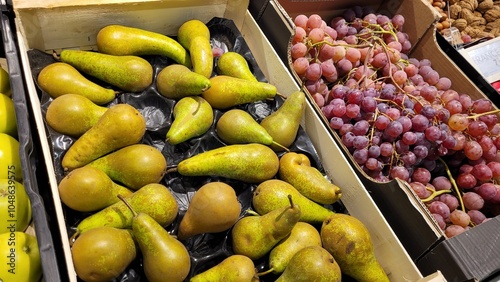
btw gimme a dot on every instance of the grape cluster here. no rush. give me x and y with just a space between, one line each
398 117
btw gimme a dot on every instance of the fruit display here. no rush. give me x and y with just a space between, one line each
397 117
475 19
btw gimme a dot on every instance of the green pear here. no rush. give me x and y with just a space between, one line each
302 235
239 127
235 268
227 91
349 241
164 258
193 117
312 263
252 163
153 199
103 253
194 35
296 169
73 114
235 65
272 194
121 125
216 199
254 236
60 78
88 189
124 40
283 124
134 166
177 81
129 73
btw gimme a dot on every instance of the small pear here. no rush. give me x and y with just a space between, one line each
284 123
312 263
194 35
349 241
193 117
73 114
254 236
88 189
296 169
177 81
129 73
227 91
134 166
60 78
272 194
235 268
235 65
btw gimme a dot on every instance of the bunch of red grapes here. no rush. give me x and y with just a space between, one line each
398 117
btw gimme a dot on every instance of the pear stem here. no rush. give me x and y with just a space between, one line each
258 274
281 95
127 204
251 212
172 169
55 56
290 199
281 146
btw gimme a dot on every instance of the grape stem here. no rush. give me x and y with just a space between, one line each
475 116
434 194
453 183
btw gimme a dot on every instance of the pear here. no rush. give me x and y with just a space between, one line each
134 166
216 199
121 125
88 189
227 91
349 241
195 37
177 81
302 235
60 78
272 194
283 124
252 163
193 117
73 114
312 263
124 40
238 127
296 169
254 236
129 73
164 258
153 199
235 268
235 65
103 253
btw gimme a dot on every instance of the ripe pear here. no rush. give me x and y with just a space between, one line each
88 189
227 91
103 253
124 40
121 125
129 73
272 194
302 235
235 65
296 169
193 117
134 166
195 37
312 263
5 82
235 268
254 236
60 78
252 163
283 124
164 258
348 240
73 114
216 199
177 81
153 199
238 127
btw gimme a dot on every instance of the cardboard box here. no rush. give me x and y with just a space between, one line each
55 25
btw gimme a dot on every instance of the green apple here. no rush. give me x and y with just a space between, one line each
8 122
15 205
19 257
10 162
